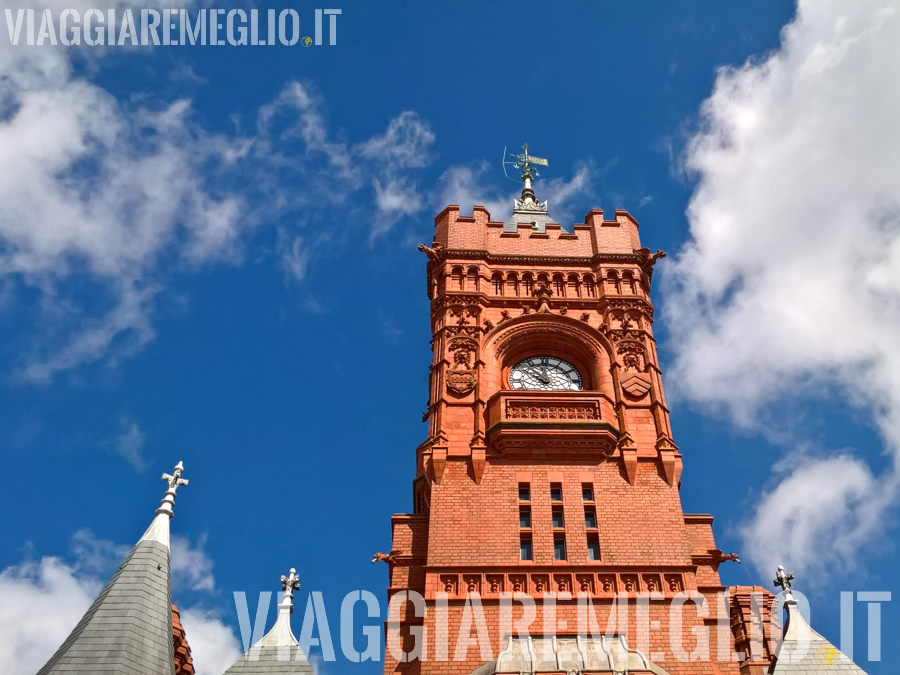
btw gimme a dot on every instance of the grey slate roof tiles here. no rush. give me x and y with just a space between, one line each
128 629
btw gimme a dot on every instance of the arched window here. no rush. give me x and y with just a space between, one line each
574 286
527 284
512 284
497 283
628 282
612 282
559 286
472 278
456 279
589 290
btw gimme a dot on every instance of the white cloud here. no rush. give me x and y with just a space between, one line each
789 287
214 646
94 556
191 566
294 255
43 601
106 195
405 144
130 444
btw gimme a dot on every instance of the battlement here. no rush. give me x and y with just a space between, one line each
594 236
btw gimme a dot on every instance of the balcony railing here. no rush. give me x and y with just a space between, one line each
528 422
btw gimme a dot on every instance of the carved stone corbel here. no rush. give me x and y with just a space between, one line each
671 461
628 449
438 462
479 455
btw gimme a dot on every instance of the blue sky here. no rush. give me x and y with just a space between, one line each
208 254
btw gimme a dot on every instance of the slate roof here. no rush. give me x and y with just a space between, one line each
128 629
803 650
271 661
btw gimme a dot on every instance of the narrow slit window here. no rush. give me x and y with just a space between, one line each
525 552
556 492
558 519
587 492
590 519
525 517
524 492
559 548
593 543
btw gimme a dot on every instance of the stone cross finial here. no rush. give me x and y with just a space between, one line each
174 481
291 582
784 580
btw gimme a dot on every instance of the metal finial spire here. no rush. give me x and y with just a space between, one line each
526 163
174 481
528 206
784 580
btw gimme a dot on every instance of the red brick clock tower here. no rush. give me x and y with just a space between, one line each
549 468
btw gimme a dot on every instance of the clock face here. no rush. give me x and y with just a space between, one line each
545 373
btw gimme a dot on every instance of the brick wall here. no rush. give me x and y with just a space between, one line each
584 296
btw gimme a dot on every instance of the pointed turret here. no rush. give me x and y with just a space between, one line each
802 649
278 652
128 629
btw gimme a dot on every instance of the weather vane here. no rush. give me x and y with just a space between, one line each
526 163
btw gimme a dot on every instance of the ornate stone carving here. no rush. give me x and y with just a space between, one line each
633 304
467 301
433 251
632 355
461 376
461 381
389 558
473 583
636 385
567 332
518 410
543 293
673 581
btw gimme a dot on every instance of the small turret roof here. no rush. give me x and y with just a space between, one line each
128 629
802 649
278 652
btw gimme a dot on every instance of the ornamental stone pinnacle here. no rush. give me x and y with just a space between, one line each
783 580
290 583
174 481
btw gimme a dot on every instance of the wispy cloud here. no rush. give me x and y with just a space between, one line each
789 286
191 566
470 185
101 199
129 444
